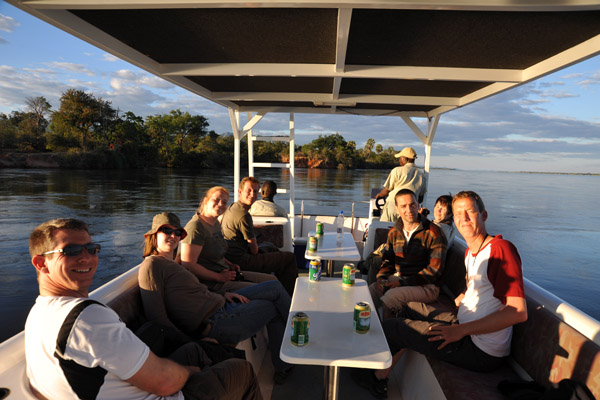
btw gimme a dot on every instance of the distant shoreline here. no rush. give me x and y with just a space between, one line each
10 159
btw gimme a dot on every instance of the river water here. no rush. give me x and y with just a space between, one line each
552 219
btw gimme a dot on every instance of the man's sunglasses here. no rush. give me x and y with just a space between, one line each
168 231
76 249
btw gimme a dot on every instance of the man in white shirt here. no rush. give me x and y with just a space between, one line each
79 348
267 206
406 176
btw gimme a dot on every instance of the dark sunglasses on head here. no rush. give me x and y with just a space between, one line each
168 231
76 249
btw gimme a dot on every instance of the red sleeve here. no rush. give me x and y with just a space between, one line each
504 270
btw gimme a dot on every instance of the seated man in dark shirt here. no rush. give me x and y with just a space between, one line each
238 230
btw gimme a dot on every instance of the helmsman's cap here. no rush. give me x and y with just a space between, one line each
407 152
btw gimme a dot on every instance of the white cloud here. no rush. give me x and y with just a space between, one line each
71 67
126 74
115 84
110 58
8 24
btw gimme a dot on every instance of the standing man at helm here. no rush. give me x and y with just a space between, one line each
406 176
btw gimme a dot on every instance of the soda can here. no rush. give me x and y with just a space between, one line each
314 272
300 325
312 244
319 229
348 275
362 317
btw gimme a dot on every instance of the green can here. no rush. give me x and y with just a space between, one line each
314 272
300 325
348 275
319 229
362 317
313 244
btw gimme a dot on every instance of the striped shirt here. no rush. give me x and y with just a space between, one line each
420 260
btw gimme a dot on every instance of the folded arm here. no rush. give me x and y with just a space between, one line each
189 259
161 376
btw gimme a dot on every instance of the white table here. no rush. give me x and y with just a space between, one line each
332 340
332 249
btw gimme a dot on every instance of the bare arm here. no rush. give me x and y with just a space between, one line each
514 312
459 298
189 259
384 192
161 376
253 246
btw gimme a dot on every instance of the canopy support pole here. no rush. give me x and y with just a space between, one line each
426 139
239 133
234 117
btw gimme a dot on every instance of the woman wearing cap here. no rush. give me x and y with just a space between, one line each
203 249
174 297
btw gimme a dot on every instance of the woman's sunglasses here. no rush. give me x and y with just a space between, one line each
76 249
168 231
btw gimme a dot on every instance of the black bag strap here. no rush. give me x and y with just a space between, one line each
84 381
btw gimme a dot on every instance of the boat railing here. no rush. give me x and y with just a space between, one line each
353 213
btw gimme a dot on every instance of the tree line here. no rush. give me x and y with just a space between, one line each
88 132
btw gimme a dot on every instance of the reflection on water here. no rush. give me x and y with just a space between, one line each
555 230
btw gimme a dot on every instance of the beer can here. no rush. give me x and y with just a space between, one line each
319 229
300 325
314 272
348 275
312 244
362 317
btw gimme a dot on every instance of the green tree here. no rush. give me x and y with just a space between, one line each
79 116
368 149
176 133
106 123
8 133
40 108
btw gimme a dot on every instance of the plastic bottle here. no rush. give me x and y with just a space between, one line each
339 224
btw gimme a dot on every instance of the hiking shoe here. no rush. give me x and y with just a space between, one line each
366 378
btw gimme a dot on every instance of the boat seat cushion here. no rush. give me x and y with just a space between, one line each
128 305
461 384
269 233
380 237
551 350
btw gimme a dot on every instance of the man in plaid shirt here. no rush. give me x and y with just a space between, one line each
413 261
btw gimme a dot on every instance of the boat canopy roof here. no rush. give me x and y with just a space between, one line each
403 58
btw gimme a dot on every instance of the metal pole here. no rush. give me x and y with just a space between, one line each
352 225
331 382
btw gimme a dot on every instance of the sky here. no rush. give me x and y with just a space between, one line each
550 125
